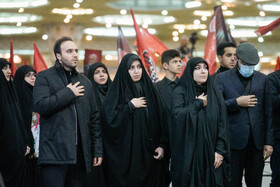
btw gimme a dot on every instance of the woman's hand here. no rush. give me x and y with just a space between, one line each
27 150
218 160
203 98
160 153
139 102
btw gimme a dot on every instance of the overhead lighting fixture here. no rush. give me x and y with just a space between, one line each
69 16
79 1
260 53
190 26
192 4
145 25
203 18
164 12
251 21
175 33
140 19
238 33
228 13
18 24
21 10
260 39
181 30
6 17
4 4
76 5
274 7
123 12
78 11
175 38
196 22
113 31
202 13
89 37
45 37
66 20
108 25
224 7
14 30
227 1
231 26
262 13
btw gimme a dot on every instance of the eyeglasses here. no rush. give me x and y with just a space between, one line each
30 74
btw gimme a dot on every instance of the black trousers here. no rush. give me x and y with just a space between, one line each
249 159
275 165
65 175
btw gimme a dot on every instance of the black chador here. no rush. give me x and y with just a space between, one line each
198 133
131 135
24 92
13 137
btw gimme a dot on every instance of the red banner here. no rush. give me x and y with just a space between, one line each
265 29
38 61
11 60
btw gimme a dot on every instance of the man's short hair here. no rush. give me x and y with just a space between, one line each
222 46
169 54
56 48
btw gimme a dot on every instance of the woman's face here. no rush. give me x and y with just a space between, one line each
100 76
7 72
135 71
200 73
30 78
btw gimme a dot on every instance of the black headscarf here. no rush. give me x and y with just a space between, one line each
100 91
24 93
198 132
13 138
131 136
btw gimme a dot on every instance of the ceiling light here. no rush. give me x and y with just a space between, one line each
192 4
175 38
18 24
175 33
228 13
164 12
76 5
238 33
123 12
262 13
260 53
181 30
203 18
21 10
202 13
79 1
69 16
4 4
224 7
247 4
190 26
6 17
66 11
251 21
231 26
11 30
196 22
108 25
66 20
140 19
108 57
145 25
113 31
227 1
274 7
89 37
45 37
260 39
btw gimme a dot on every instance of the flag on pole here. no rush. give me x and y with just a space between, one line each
38 61
122 45
11 60
265 29
277 67
144 52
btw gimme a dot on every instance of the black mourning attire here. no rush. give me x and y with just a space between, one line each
198 132
13 137
220 70
24 92
131 134
96 177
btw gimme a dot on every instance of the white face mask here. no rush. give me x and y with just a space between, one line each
246 71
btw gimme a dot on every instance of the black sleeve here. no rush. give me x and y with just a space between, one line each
268 114
45 102
275 93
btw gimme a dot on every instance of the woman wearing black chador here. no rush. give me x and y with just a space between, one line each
24 82
101 81
200 143
14 143
134 129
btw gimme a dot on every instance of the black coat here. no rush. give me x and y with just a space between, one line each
241 120
274 82
60 114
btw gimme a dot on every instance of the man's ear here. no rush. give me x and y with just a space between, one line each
220 58
165 65
58 56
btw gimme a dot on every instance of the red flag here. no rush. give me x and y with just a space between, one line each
184 65
122 45
11 60
265 29
210 47
277 67
144 52
38 61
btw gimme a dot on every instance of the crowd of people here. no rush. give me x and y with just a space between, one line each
194 131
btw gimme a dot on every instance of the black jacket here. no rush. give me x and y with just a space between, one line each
243 120
274 82
61 113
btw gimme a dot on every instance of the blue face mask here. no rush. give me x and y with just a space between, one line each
246 71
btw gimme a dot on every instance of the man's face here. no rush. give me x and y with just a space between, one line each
184 41
69 55
228 60
174 66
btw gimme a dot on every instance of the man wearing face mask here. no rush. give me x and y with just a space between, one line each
247 97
